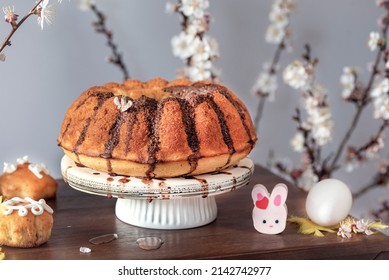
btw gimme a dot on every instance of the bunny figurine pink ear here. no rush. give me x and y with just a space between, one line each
270 211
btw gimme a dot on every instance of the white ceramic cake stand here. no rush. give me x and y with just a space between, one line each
172 203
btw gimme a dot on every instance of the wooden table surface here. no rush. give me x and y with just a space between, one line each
79 217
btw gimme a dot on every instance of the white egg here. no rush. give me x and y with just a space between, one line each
328 202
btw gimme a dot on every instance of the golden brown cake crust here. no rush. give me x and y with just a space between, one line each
24 183
24 231
169 128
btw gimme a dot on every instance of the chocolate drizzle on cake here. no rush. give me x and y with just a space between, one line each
187 98
153 117
225 130
187 113
187 110
101 98
131 117
239 109
114 132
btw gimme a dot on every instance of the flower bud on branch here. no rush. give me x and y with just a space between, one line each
41 8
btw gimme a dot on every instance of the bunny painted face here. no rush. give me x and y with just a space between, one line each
270 211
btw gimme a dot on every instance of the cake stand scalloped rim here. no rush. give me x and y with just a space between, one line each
100 183
148 203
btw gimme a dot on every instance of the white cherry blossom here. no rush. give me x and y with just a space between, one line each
9 14
183 45
195 8
381 107
296 76
266 84
347 80
344 231
196 26
322 133
201 70
297 142
307 179
380 88
363 226
213 46
46 13
374 41
279 18
274 34
122 103
201 49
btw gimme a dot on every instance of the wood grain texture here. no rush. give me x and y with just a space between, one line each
79 217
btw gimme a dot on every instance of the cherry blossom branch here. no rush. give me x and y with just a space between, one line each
100 27
372 147
360 108
193 46
264 95
364 100
311 149
16 26
316 130
374 142
277 33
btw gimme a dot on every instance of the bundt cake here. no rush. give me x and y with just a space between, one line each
157 128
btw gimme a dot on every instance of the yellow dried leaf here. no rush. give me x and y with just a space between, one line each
306 226
378 225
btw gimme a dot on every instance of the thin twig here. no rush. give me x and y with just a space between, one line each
264 96
380 178
100 27
333 166
375 138
260 108
365 189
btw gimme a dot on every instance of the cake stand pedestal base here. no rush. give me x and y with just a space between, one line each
180 213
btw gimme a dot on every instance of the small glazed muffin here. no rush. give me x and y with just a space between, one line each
26 179
25 223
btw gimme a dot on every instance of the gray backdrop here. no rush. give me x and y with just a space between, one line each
46 70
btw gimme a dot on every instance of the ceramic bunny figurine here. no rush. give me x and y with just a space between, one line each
270 211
